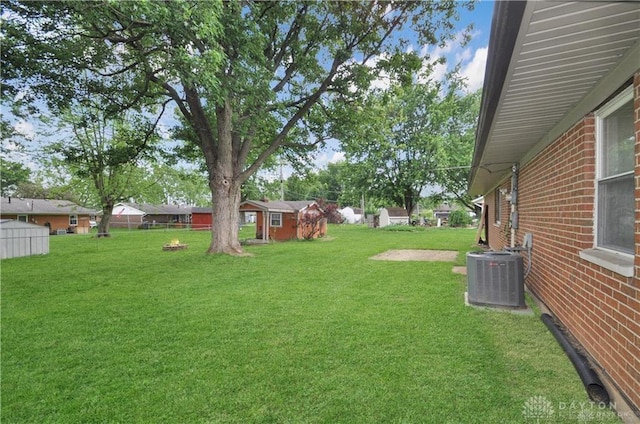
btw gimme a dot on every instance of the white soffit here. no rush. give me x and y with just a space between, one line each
563 52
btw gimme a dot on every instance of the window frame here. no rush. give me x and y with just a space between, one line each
605 111
497 206
22 218
71 223
271 220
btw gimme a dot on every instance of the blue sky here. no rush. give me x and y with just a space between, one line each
472 58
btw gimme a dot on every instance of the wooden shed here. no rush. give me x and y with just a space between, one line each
286 220
19 238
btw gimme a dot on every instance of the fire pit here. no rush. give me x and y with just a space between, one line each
175 245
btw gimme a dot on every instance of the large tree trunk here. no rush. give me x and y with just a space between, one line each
103 226
225 188
226 217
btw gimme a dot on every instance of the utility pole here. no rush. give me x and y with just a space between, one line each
281 182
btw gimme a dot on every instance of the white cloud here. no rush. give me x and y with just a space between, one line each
327 156
438 72
383 81
337 157
472 67
463 55
164 130
451 46
25 129
473 71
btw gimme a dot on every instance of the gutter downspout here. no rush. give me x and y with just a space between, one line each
513 199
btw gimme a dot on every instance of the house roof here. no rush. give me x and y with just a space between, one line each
443 208
279 205
16 205
548 65
150 209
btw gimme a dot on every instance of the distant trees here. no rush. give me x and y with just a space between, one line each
249 79
414 135
455 152
11 176
106 150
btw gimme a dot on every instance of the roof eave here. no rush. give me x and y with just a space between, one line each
545 46
505 26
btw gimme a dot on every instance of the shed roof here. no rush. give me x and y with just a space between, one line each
16 205
19 225
549 64
394 211
279 205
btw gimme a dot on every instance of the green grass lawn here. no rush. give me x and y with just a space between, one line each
117 330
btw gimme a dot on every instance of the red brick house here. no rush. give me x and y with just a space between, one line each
58 215
286 220
557 155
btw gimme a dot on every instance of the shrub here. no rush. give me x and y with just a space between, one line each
401 227
459 219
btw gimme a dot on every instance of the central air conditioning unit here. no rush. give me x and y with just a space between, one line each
495 279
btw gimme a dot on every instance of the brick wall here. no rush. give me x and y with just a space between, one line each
556 204
55 221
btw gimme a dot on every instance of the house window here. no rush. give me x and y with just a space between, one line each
276 219
23 218
73 219
615 182
497 207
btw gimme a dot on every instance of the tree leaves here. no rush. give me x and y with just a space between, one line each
250 79
408 138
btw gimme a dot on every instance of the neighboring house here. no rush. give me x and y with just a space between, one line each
59 216
391 216
22 239
165 214
441 213
126 216
133 215
558 156
202 218
286 220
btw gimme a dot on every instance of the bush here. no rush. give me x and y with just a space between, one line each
401 228
459 219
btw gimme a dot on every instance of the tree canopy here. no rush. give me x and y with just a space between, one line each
13 174
106 150
248 79
414 135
